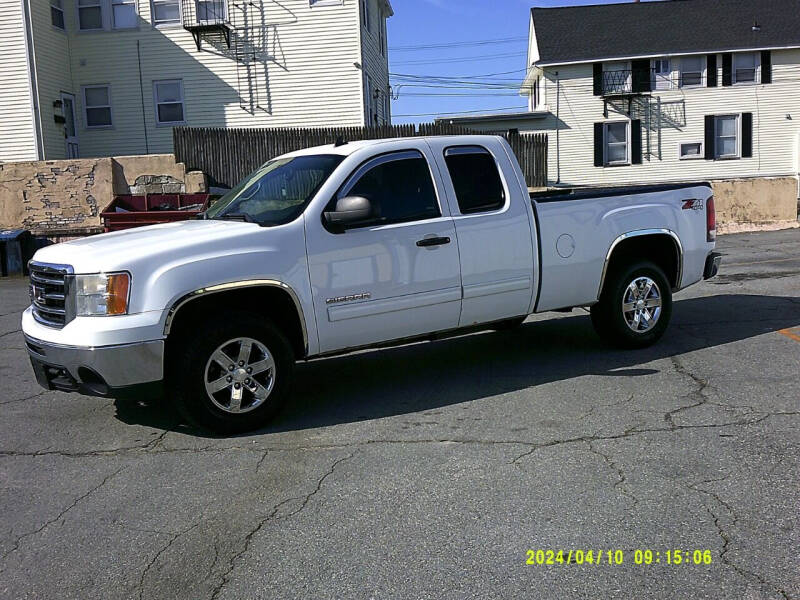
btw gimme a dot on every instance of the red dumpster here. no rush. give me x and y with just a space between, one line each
126 212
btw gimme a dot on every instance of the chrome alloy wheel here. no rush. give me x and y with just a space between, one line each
641 304
240 375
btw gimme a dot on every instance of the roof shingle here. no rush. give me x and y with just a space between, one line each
596 32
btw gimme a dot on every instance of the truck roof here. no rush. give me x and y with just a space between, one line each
350 147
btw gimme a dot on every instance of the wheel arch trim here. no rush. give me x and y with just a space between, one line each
638 233
236 285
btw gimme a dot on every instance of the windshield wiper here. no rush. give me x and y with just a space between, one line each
235 217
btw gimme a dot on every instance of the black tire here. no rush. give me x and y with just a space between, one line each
508 324
609 318
187 371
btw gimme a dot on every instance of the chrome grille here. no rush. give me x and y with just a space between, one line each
49 293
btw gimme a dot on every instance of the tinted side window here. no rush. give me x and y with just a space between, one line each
475 179
400 190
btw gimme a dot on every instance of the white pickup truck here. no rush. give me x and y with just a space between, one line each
348 246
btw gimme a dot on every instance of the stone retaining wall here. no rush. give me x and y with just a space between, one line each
63 196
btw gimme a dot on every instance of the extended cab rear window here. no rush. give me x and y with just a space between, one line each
475 178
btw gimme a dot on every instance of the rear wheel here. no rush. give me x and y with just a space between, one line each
233 376
635 306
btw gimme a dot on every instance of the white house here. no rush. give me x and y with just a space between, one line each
663 91
87 78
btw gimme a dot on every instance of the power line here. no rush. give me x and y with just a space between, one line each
462 44
457 60
463 112
458 76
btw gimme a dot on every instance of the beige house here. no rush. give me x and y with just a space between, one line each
88 78
664 91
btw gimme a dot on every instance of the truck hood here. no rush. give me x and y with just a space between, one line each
120 249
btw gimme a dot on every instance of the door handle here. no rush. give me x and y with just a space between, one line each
433 241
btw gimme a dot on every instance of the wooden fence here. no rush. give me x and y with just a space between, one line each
228 155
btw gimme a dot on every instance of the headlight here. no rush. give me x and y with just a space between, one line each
102 294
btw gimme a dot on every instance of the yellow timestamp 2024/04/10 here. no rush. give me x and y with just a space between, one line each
671 557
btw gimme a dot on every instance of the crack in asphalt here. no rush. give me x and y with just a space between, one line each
2 335
41 393
226 576
161 551
532 446
621 478
698 393
18 541
725 536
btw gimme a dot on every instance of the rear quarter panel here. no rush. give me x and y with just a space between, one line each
592 225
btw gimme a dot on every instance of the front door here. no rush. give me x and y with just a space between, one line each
397 275
70 131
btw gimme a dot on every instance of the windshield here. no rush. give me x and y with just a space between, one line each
277 192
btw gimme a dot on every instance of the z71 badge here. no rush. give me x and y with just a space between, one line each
693 204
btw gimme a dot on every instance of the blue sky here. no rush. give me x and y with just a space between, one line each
437 22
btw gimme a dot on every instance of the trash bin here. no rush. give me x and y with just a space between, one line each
14 245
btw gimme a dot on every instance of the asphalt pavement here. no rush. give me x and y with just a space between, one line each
430 470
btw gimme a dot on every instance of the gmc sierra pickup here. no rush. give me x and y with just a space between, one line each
347 246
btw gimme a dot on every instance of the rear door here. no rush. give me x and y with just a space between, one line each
396 276
493 228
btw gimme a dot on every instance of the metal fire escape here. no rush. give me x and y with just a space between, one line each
236 29
630 93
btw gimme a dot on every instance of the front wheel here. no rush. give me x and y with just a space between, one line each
635 306
232 376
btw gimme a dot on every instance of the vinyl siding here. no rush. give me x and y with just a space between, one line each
53 75
776 127
375 64
17 137
307 80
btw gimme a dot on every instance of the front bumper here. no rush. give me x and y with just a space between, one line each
110 371
712 265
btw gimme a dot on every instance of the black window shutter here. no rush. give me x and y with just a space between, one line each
747 135
766 66
710 137
727 69
640 75
598 145
598 78
636 142
711 70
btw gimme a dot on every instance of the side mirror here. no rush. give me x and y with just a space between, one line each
350 210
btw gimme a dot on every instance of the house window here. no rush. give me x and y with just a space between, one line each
692 68
123 13
386 108
57 13
662 74
382 36
168 95
90 15
617 77
726 136
616 137
368 98
745 67
365 14
691 150
211 10
97 106
165 12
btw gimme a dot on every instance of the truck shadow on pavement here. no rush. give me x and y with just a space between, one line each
425 376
